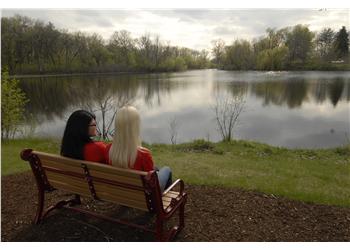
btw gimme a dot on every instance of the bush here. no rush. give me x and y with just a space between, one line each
197 146
13 101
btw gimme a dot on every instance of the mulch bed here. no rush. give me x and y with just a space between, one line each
211 214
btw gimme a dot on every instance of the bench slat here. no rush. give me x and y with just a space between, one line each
67 180
115 170
167 198
62 166
71 189
135 180
92 166
120 191
172 194
126 202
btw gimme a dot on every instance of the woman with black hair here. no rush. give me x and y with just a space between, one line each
77 142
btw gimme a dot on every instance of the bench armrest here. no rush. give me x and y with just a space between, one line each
177 182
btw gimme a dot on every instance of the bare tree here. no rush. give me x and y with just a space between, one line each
227 111
173 130
108 107
105 103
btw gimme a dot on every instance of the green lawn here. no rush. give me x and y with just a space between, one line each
11 161
320 176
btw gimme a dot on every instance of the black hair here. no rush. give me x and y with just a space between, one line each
76 134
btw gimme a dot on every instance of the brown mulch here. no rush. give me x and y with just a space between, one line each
212 214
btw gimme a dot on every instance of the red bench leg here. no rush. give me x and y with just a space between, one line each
40 207
182 216
159 229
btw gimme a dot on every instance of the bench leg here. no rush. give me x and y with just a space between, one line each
40 207
77 200
182 216
159 229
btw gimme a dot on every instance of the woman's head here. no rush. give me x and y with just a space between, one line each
126 137
81 125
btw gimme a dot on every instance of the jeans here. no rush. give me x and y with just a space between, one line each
164 177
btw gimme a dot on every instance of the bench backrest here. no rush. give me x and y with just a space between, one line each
104 182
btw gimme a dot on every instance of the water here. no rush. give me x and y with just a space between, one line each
291 109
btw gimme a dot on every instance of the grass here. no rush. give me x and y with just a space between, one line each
11 161
320 176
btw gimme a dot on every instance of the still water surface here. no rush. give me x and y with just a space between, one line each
291 109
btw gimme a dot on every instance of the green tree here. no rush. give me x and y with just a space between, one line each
272 59
239 56
98 51
341 44
13 101
299 42
324 44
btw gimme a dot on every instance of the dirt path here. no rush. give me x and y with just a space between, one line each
212 214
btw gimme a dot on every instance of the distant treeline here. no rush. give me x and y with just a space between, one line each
291 48
31 46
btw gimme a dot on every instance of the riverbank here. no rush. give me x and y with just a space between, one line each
81 74
320 176
343 67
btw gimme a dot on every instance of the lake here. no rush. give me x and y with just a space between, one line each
308 109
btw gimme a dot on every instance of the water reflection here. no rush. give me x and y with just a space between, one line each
280 104
51 97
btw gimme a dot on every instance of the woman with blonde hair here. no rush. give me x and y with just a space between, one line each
126 151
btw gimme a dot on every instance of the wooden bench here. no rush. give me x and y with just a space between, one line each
135 189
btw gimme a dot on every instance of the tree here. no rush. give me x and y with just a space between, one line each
272 59
276 38
341 44
324 44
239 56
97 50
121 44
31 46
218 51
173 130
13 101
299 42
227 111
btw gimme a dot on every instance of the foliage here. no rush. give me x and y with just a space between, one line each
272 59
239 56
341 44
299 43
30 47
13 101
290 48
196 146
324 44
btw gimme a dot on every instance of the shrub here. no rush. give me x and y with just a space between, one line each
197 146
13 101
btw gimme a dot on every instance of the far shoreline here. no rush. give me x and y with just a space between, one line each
162 72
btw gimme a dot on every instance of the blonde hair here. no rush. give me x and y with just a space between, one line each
126 139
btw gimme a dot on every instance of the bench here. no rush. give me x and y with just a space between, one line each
131 188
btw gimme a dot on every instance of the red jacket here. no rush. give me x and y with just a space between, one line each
143 162
95 151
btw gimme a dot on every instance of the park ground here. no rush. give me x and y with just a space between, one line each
238 191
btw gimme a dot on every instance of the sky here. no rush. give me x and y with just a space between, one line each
193 28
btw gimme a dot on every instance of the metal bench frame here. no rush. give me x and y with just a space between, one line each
150 187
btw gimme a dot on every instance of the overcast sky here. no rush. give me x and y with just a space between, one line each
192 28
